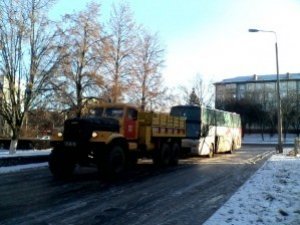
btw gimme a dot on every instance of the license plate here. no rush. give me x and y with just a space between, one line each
70 143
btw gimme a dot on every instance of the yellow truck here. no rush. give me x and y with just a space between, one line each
113 137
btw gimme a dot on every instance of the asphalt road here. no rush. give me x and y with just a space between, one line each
187 194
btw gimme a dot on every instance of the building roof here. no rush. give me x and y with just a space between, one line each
260 78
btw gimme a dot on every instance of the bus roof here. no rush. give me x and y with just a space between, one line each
202 106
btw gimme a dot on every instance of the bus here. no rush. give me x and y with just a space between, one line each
209 131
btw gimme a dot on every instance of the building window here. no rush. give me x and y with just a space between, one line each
230 91
241 88
260 92
251 87
292 88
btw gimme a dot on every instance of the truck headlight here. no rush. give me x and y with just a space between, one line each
59 134
94 134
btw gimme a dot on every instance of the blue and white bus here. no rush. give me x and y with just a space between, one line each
209 131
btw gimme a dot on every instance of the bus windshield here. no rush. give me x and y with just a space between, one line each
192 115
189 112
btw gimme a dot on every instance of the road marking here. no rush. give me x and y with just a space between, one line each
259 157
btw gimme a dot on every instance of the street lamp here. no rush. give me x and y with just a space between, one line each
279 126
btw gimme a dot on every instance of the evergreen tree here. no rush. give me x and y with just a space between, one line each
194 99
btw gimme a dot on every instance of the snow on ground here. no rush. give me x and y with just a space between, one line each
267 139
5 153
8 169
270 196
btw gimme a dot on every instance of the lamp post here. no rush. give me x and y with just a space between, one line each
279 125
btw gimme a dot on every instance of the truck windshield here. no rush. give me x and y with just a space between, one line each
95 112
114 112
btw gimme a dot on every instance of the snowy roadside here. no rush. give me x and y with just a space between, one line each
5 153
270 196
5 156
268 140
10 169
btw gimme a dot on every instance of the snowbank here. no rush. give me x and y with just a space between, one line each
22 160
5 153
11 169
257 139
270 196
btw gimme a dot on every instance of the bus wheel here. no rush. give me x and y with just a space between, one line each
174 154
232 148
211 151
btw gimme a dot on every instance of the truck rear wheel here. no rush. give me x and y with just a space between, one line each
174 156
162 155
60 163
114 163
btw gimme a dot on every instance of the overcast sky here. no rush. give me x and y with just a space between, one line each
211 38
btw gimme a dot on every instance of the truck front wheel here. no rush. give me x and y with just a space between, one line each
114 163
60 163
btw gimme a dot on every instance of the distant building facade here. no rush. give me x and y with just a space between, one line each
258 94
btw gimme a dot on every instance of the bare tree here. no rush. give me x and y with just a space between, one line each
289 107
205 90
254 108
40 122
202 88
79 76
296 122
122 42
29 55
146 87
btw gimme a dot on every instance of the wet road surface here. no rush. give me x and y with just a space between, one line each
187 194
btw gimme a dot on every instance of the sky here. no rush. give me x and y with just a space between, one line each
211 38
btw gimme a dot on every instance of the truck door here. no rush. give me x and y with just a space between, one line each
130 124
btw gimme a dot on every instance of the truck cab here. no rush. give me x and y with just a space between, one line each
126 115
106 135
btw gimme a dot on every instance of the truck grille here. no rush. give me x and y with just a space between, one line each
80 129
75 131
